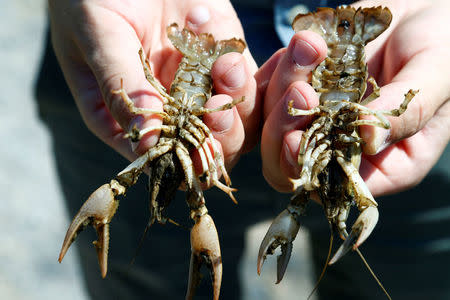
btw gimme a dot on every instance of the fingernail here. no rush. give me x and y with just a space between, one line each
235 77
134 145
303 53
224 121
198 15
381 136
299 101
291 160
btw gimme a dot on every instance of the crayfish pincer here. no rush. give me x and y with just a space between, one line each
205 249
97 211
331 147
169 162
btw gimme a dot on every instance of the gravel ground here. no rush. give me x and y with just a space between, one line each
33 218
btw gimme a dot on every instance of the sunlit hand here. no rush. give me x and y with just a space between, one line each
409 55
97 44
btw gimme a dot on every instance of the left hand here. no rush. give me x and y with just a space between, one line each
97 42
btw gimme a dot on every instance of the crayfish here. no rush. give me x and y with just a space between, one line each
169 162
331 147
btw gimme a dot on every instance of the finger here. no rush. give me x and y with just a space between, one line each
412 158
416 66
227 128
88 97
266 71
220 20
289 154
305 51
109 64
414 75
197 159
232 73
278 123
232 76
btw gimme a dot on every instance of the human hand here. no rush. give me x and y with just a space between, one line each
409 55
97 44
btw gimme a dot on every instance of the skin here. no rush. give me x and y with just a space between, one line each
409 55
96 43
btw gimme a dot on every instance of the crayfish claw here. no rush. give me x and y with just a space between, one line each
283 260
365 224
282 232
102 246
267 247
205 249
361 230
97 211
344 248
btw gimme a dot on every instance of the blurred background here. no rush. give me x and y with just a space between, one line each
33 216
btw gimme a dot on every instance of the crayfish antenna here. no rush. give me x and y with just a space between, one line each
324 267
346 246
373 274
141 241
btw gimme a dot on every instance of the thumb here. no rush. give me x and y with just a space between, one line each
94 61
